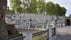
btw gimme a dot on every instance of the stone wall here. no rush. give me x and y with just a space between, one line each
11 29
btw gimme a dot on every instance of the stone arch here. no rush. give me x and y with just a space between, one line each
68 22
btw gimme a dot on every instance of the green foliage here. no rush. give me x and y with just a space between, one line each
40 6
37 7
55 9
8 11
63 11
50 8
33 6
15 5
18 9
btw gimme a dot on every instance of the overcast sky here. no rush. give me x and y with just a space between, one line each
64 3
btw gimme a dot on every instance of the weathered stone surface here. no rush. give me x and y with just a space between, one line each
64 33
11 28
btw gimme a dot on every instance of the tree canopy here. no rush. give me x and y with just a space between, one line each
50 8
15 5
37 7
55 9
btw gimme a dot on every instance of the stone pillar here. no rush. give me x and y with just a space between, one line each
28 35
43 27
50 32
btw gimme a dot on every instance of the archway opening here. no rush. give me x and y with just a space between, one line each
9 32
68 22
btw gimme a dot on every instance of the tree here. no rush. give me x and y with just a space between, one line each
15 5
8 11
50 8
20 6
40 6
33 6
55 9
3 30
63 11
37 7
28 6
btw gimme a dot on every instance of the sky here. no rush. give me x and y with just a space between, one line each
63 3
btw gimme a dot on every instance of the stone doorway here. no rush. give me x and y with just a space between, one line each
67 22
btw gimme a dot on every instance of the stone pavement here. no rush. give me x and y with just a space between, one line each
64 33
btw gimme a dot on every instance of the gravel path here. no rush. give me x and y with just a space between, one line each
64 33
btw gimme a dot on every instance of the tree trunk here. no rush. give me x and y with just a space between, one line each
3 27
